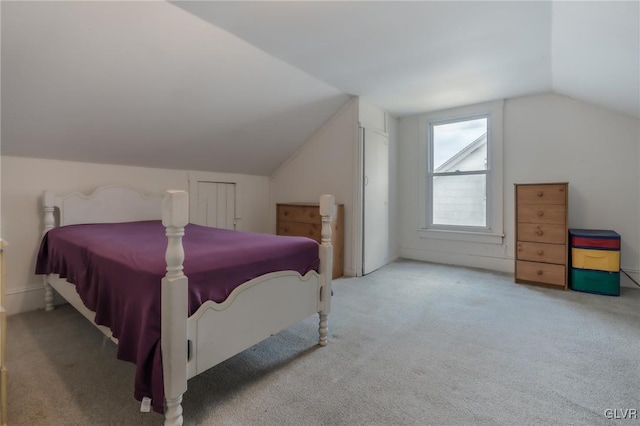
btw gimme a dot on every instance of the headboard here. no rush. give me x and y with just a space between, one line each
107 204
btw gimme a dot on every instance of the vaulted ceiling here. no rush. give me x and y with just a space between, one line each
419 56
239 86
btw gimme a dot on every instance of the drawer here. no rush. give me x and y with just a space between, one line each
594 239
596 243
542 233
595 282
541 272
598 260
542 194
542 213
299 229
293 213
540 252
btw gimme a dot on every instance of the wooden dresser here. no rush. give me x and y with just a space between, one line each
542 233
303 219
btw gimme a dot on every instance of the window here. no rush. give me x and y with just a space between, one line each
457 187
461 188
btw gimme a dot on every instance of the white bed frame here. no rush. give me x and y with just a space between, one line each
254 311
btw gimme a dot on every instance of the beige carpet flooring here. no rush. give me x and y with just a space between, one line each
411 344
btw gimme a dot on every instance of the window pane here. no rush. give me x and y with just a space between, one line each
460 200
460 146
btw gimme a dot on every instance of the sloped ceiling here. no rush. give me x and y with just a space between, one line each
405 57
239 86
412 57
149 84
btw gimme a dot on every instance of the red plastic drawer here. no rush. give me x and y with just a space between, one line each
596 243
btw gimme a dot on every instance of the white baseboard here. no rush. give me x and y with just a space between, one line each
625 281
492 263
349 272
25 299
472 261
28 298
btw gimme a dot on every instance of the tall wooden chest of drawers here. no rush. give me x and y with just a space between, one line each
303 219
542 233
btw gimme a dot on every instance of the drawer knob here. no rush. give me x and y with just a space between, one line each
540 194
539 272
286 229
540 213
286 213
540 252
539 231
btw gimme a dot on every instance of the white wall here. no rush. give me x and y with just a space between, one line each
24 179
547 138
595 52
412 245
394 189
324 165
556 138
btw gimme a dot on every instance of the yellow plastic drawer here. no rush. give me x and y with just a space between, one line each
597 260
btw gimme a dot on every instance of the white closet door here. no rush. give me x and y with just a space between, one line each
216 204
375 245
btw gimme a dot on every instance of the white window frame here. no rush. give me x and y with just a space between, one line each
493 232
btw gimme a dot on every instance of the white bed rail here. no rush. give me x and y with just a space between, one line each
49 206
175 309
327 208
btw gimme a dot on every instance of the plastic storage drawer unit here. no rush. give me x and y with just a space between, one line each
595 261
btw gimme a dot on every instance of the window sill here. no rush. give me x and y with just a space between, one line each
466 236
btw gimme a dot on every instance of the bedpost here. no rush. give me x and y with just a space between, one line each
49 201
175 215
327 209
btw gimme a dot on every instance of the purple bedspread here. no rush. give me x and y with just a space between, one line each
117 269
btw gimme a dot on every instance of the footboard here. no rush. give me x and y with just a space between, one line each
254 311
262 307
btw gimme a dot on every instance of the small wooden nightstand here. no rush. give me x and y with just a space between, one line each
303 220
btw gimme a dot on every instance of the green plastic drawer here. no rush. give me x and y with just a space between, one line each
599 282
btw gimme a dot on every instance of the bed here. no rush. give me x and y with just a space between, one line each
191 336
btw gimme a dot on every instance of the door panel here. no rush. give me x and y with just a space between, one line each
216 204
375 245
